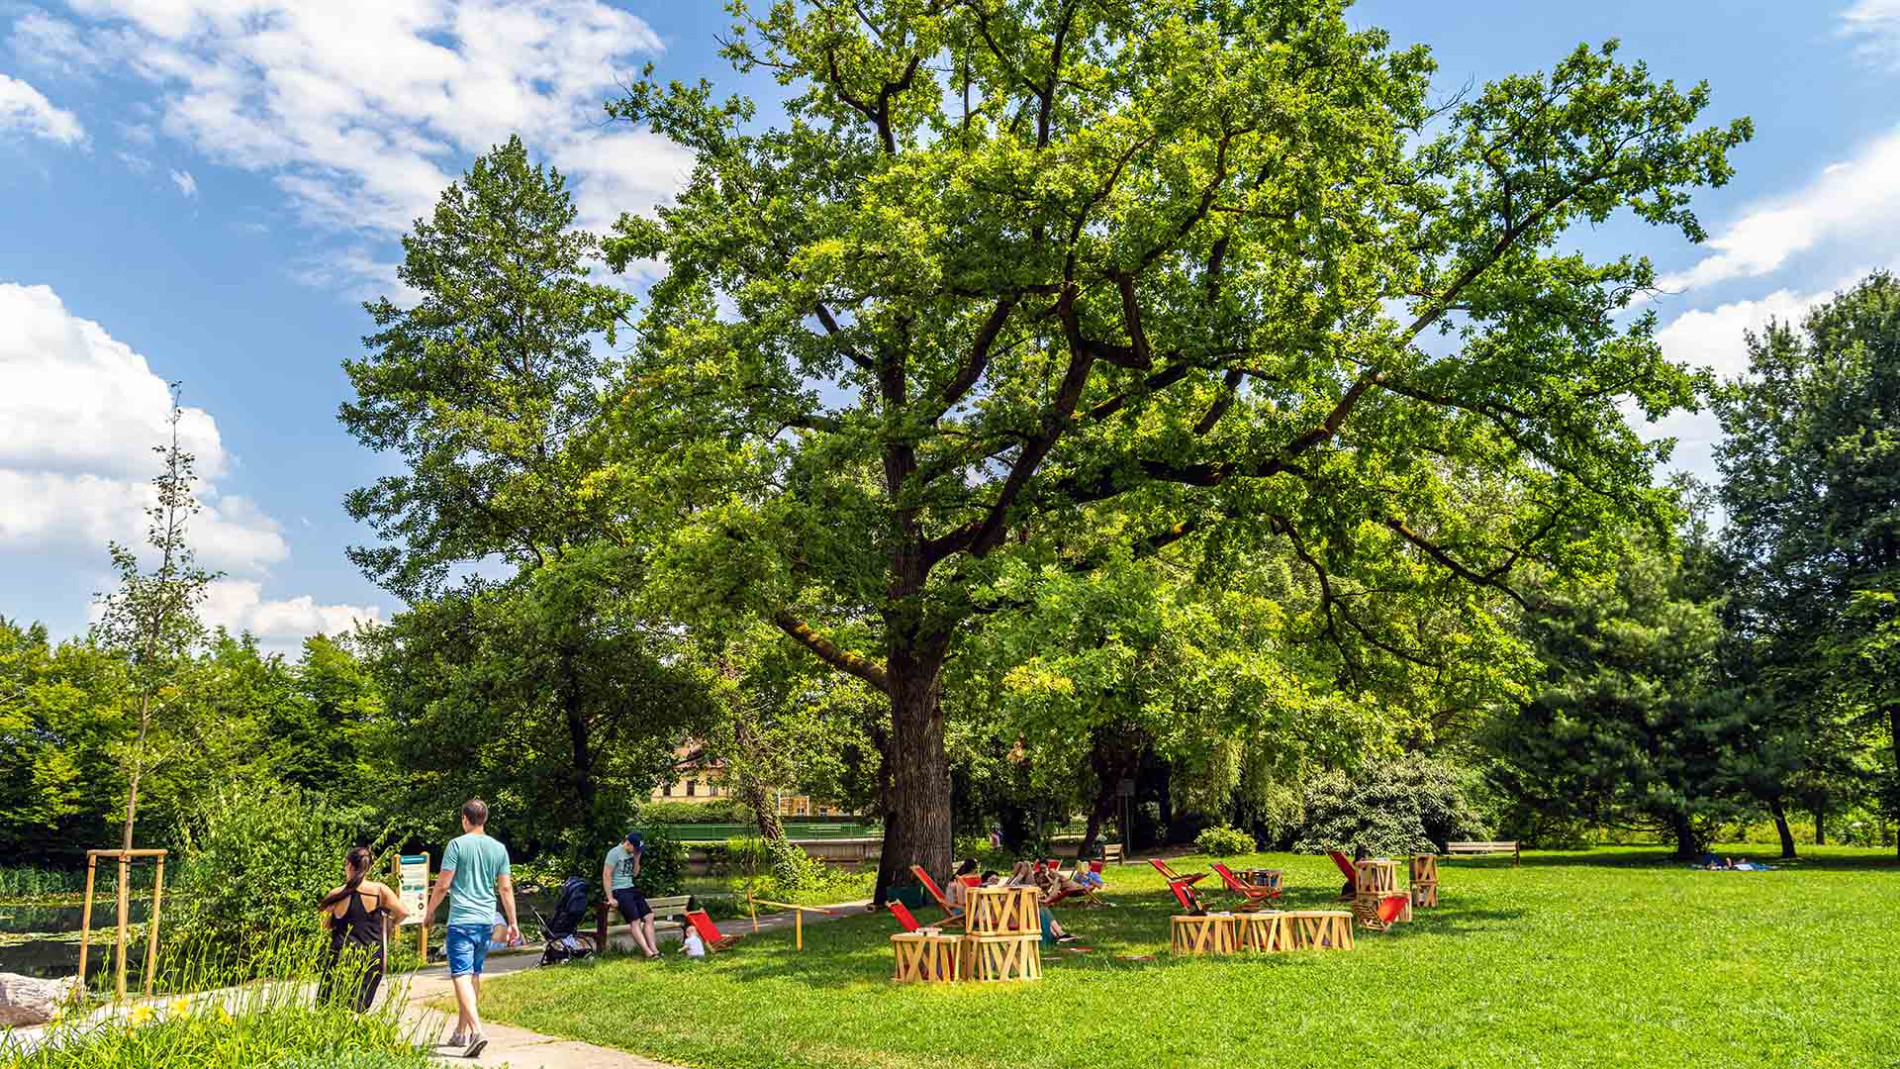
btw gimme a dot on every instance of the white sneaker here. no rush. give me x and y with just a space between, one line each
456 1039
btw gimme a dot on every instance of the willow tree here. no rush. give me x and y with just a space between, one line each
1019 285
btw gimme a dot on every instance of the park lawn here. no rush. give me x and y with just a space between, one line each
1609 957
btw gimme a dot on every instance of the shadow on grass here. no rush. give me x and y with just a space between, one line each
1664 858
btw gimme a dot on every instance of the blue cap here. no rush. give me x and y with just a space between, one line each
634 838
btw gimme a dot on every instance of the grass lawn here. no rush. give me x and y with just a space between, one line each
1610 957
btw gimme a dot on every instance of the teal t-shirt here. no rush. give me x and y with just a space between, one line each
478 863
621 860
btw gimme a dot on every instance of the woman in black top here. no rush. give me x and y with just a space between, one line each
355 915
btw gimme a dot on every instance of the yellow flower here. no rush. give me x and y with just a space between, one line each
141 1014
181 1007
224 1017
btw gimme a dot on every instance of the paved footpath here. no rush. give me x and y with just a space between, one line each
522 1049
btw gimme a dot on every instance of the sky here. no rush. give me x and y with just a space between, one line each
204 191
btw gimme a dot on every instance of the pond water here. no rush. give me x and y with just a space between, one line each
16 920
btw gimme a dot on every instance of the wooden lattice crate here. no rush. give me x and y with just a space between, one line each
1425 868
1319 929
1425 895
1261 931
1003 910
1376 877
1207 933
993 958
928 958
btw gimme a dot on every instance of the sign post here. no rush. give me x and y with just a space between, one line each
412 888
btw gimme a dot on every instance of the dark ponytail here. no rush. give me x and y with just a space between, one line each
358 860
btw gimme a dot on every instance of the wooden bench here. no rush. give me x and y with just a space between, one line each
1112 852
667 912
1475 849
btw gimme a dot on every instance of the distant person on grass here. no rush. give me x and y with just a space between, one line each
474 874
616 879
356 915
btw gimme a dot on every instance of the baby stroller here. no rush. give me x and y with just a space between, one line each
564 943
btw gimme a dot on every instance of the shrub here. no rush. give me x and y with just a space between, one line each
662 864
1405 806
254 862
1224 842
723 811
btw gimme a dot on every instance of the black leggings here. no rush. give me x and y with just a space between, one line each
364 965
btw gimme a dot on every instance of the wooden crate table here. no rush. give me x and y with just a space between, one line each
994 958
1425 880
1265 878
1262 931
1208 933
1318 929
1374 881
929 958
1003 910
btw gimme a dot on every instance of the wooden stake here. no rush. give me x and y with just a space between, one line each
125 904
85 920
151 944
798 929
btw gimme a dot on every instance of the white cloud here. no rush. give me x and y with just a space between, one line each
26 109
1857 201
135 163
1716 339
362 111
82 412
185 183
1876 26
239 605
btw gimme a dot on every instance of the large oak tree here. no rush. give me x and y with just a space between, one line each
1031 286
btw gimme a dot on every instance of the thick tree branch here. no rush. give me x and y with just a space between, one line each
828 652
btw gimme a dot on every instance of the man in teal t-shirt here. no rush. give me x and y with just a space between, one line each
617 874
474 874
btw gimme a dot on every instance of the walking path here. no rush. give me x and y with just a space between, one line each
507 1045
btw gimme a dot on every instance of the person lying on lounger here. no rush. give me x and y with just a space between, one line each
957 889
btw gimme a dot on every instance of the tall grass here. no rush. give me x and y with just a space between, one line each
270 1009
27 882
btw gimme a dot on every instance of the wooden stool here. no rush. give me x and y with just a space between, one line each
1003 910
1424 881
1262 931
1209 933
1374 881
990 958
929 958
1319 929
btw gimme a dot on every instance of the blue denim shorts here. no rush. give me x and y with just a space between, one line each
467 948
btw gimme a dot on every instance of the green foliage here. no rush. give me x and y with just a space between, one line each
1632 724
662 864
254 861
1409 805
1224 842
721 811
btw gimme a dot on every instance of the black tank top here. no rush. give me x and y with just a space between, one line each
358 926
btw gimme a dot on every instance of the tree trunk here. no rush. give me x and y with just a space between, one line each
917 822
751 788
1820 823
138 771
1687 849
580 743
1115 755
1893 729
1781 827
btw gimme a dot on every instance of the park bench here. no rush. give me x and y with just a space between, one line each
1112 853
669 912
1476 849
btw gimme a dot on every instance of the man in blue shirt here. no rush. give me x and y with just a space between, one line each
474 874
616 879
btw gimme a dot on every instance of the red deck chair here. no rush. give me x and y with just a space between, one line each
1391 907
955 916
1190 901
903 915
1172 876
1253 896
1345 869
709 933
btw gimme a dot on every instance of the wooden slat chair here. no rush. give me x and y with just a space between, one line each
953 914
1174 877
1252 897
1184 894
709 932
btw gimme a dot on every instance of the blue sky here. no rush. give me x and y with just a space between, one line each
203 190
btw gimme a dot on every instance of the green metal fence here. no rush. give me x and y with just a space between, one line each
699 833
